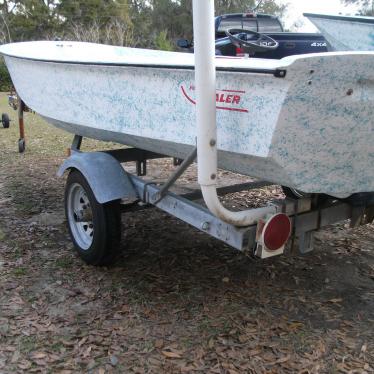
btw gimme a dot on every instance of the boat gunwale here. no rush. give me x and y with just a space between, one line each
281 73
356 19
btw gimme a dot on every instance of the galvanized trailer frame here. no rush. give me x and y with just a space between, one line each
307 214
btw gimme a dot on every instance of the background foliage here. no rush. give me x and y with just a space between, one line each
137 23
5 81
367 6
143 23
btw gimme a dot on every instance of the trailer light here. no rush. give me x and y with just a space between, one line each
272 235
276 231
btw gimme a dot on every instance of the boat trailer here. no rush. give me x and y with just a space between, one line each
109 190
98 188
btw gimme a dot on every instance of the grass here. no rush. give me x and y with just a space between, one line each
41 138
20 271
58 347
27 344
21 195
16 252
64 262
213 327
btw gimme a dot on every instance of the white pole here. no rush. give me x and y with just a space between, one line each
205 83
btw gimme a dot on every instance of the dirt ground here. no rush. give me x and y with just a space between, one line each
176 300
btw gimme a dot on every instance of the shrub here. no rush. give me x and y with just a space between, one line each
5 81
162 42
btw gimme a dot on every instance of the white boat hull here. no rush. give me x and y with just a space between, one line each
345 33
311 130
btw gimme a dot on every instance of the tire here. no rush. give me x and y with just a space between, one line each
97 240
5 120
21 145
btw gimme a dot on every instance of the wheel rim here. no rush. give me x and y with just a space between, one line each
79 214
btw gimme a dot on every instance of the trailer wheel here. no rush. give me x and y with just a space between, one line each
21 145
95 228
5 120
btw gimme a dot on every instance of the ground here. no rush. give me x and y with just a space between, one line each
176 300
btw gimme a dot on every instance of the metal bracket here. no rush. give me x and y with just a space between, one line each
145 185
177 161
77 142
370 215
357 216
173 178
133 154
141 168
306 241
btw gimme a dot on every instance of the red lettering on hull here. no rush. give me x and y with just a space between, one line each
230 98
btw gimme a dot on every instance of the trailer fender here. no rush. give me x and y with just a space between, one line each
105 175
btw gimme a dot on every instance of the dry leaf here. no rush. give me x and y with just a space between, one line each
69 344
211 343
295 325
24 365
15 357
170 354
38 355
254 352
159 343
338 300
82 341
40 362
243 338
87 351
282 359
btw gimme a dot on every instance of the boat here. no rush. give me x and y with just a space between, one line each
343 33
304 121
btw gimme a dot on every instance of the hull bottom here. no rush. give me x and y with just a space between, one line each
252 166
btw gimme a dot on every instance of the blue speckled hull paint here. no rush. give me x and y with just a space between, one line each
344 35
304 131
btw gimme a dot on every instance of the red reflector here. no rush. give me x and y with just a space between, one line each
276 232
